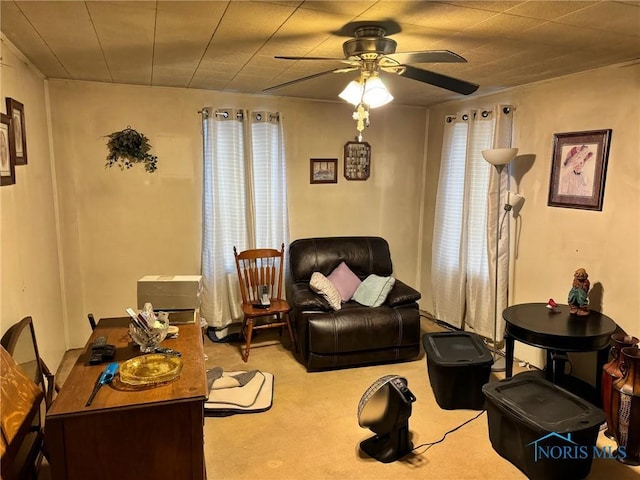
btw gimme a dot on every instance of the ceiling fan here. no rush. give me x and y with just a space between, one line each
370 51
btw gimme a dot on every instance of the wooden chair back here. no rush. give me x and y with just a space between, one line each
257 268
20 342
21 438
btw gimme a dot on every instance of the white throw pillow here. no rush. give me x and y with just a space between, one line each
322 285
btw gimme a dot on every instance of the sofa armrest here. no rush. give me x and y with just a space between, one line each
303 298
401 293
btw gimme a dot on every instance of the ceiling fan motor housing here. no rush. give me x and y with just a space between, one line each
369 40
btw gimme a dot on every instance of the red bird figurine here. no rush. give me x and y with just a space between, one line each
553 306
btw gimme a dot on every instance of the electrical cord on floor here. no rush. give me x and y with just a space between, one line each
440 323
431 444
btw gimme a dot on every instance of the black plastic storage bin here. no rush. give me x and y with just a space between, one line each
544 430
459 364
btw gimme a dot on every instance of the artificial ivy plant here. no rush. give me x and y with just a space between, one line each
128 147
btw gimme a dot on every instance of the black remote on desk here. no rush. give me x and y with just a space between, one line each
101 351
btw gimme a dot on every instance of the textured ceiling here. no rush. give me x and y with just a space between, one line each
229 46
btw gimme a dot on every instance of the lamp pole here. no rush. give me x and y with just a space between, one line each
499 363
498 157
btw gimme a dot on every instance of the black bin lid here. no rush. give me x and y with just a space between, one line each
456 349
543 405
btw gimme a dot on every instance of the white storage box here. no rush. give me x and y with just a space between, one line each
170 292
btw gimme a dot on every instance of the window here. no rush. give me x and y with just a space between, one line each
244 200
465 222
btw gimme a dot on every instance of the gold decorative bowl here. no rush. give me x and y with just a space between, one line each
150 369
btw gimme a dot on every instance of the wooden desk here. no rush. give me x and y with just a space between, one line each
152 433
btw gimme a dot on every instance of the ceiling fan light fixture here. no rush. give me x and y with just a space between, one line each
376 93
352 93
372 92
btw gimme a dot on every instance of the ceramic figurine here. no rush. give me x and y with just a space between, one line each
578 295
553 306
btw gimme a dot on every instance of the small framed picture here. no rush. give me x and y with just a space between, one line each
7 154
324 170
357 160
578 169
16 111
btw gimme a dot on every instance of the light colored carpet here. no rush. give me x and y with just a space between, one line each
312 432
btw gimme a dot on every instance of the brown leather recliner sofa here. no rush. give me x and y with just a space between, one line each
355 335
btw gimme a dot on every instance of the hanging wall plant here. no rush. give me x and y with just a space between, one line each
128 147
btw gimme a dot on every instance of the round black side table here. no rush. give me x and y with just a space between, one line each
536 325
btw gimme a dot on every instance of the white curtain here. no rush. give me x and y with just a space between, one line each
244 201
269 180
465 222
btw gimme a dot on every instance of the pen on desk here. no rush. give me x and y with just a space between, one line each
105 377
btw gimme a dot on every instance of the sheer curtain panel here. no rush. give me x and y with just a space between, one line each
244 201
269 180
465 221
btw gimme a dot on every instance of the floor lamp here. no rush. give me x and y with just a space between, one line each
498 157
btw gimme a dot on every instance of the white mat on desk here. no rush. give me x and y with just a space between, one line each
253 397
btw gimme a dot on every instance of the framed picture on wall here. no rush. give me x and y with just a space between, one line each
16 111
357 160
324 170
7 153
578 169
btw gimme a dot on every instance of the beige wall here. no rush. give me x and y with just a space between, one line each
553 241
118 226
30 280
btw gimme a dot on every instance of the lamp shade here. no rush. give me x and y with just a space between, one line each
514 199
352 93
499 156
376 93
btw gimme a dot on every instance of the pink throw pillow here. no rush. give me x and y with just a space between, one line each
345 281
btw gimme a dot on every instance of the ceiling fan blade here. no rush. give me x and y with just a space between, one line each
315 75
428 56
439 80
326 59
